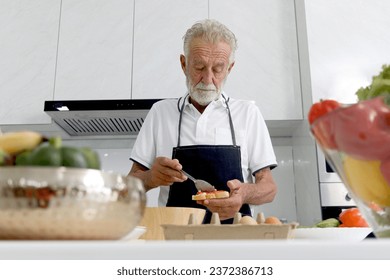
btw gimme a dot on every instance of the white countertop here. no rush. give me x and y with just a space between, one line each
369 249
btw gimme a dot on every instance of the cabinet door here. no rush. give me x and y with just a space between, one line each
158 30
95 50
266 68
29 33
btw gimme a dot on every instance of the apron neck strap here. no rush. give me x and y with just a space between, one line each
230 120
181 109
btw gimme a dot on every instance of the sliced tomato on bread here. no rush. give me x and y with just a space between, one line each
210 195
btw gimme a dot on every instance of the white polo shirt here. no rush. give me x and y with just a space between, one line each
159 133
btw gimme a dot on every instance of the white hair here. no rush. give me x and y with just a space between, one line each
213 32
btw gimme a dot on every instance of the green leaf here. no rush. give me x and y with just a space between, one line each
380 85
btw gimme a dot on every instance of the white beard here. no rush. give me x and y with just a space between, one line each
203 94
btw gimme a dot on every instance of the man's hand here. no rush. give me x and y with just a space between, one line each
262 191
166 171
227 207
163 172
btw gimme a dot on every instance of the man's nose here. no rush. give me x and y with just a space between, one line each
207 77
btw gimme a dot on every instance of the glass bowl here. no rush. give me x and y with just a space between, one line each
52 203
355 140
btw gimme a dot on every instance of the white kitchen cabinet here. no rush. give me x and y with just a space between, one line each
95 50
158 30
266 68
29 34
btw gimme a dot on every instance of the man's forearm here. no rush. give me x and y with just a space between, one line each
143 174
258 193
262 191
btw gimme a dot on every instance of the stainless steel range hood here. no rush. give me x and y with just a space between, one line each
99 117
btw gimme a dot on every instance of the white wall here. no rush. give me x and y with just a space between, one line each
348 42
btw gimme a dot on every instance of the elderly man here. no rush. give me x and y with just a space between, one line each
209 135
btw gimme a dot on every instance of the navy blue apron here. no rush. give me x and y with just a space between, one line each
216 164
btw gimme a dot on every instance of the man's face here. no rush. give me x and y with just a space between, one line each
206 69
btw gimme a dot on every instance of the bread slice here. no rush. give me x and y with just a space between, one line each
210 195
221 194
199 196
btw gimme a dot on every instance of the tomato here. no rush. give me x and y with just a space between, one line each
321 108
352 218
323 130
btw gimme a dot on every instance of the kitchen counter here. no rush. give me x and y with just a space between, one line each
369 249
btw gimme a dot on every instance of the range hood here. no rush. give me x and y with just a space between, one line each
99 117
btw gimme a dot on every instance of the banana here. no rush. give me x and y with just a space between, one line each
366 181
15 142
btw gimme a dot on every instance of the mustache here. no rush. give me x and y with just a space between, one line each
202 86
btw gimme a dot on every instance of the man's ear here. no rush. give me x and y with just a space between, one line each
231 66
183 63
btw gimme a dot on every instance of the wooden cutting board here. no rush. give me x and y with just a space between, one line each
154 217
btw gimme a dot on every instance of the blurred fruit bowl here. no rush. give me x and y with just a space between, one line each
44 203
355 140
